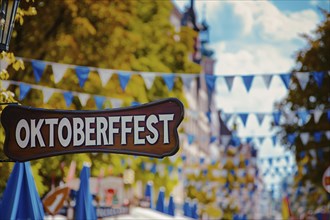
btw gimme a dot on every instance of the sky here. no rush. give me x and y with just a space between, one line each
256 37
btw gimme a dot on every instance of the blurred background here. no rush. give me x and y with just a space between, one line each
254 77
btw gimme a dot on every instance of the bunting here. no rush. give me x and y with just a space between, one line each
169 80
38 69
124 78
82 73
23 90
105 76
247 80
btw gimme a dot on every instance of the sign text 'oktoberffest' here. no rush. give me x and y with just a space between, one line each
147 130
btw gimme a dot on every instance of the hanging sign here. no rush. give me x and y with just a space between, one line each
146 130
326 180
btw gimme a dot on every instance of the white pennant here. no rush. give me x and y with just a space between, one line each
317 115
5 84
225 139
149 79
58 71
47 93
304 137
312 153
187 80
105 75
3 64
303 79
116 103
327 134
83 97
267 80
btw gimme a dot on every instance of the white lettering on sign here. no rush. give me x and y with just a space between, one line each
93 131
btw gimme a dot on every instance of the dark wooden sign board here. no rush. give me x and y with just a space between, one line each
146 130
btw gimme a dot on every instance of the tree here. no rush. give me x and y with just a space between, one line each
312 158
122 35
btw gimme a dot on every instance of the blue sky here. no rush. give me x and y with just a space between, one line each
256 37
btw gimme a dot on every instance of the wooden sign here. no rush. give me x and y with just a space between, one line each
54 201
147 130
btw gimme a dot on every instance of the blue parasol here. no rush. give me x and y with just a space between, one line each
149 194
20 198
171 206
84 208
160 205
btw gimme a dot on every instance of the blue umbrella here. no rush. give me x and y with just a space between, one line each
193 209
186 209
20 198
84 208
160 205
171 206
149 194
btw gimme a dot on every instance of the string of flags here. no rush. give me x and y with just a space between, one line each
82 73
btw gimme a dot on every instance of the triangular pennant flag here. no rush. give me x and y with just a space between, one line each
209 116
124 79
149 79
153 168
226 117
267 80
274 139
210 82
247 80
317 136
260 118
83 97
235 141
169 80
5 84
249 140
303 115
229 82
105 75
327 134
23 90
82 73
317 115
243 117
303 79
291 138
277 117
213 139
270 161
99 100
328 115
286 77
312 152
261 140
191 138
304 137
187 80
68 96
318 77
47 93
58 71
116 103
225 139
38 69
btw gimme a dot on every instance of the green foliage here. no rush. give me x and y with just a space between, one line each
315 57
122 35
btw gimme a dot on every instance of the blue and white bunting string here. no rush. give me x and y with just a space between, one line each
38 69
82 74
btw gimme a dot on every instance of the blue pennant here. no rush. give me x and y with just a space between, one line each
183 157
277 117
303 114
209 116
328 114
270 161
302 154
169 80
191 139
244 117
153 168
291 138
320 154
235 141
169 169
124 79
274 140
201 160
260 117
38 69
249 140
317 136
318 77
68 96
82 74
247 80
210 82
261 140
229 82
143 167
205 171
99 100
23 90
286 79
247 162
213 139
